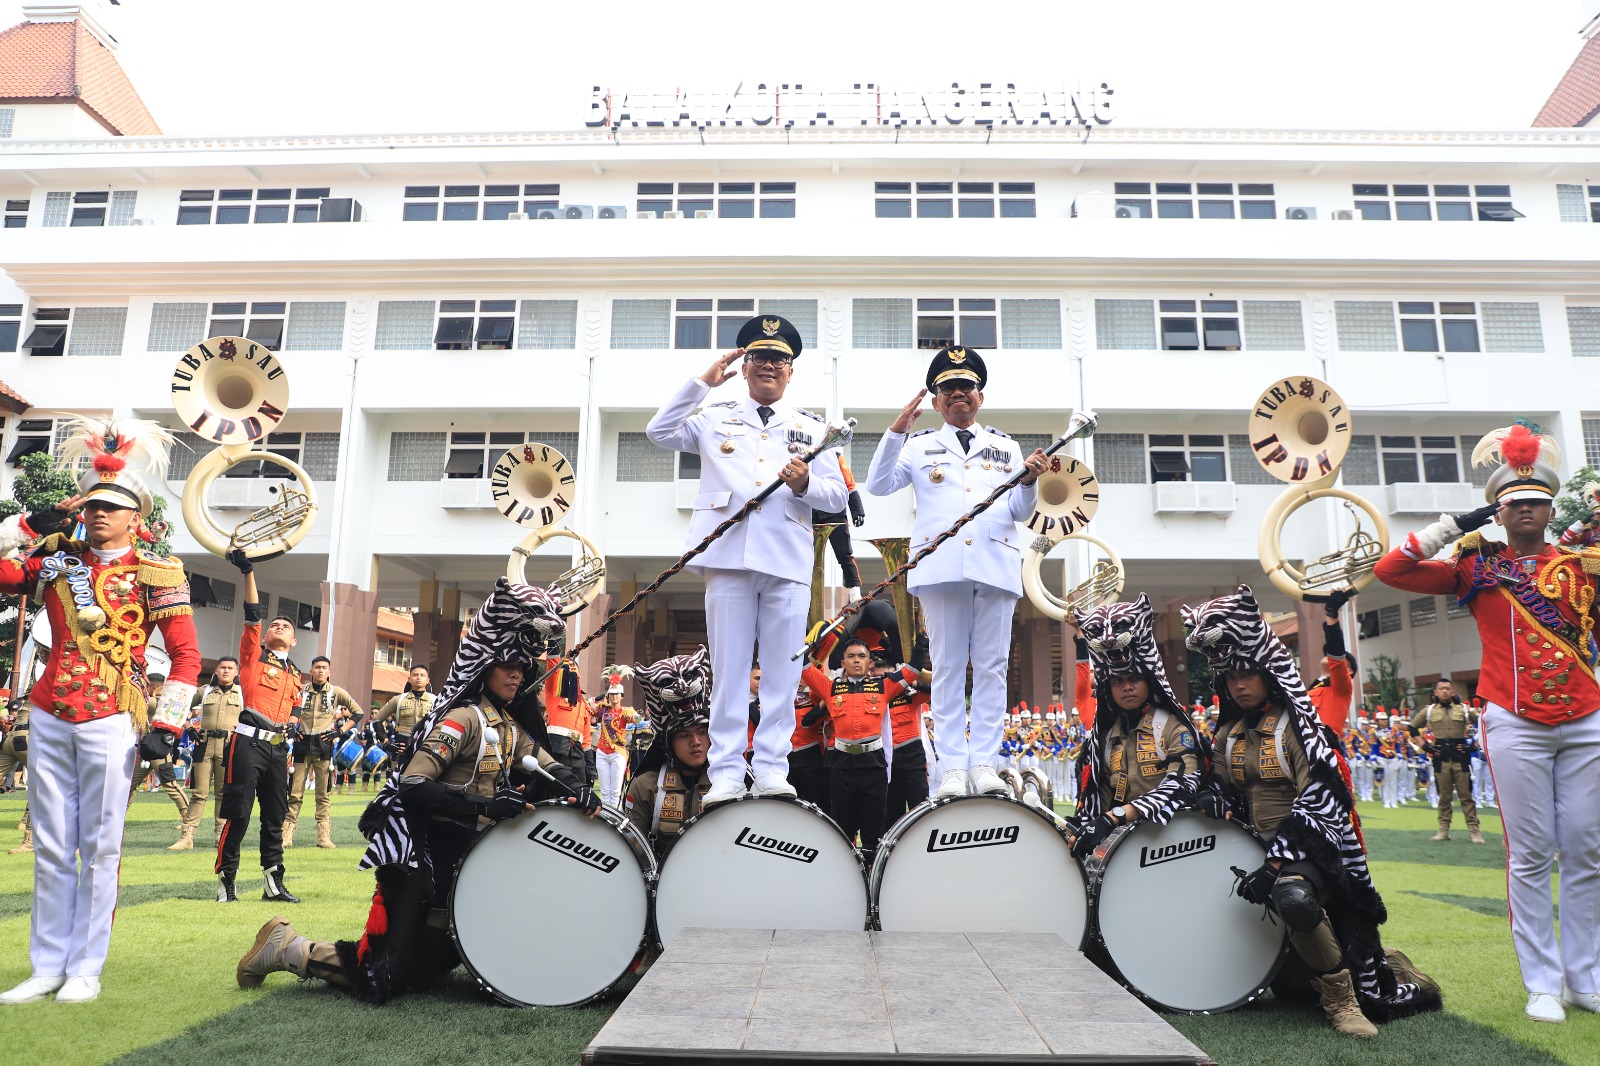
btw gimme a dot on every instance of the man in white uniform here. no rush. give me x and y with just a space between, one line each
757 574
969 587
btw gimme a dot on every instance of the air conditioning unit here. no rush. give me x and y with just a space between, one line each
339 209
1343 214
1430 498
1126 212
672 214
645 216
1299 214
518 216
547 212
464 493
1094 205
611 211
577 211
242 493
141 222
704 214
1194 497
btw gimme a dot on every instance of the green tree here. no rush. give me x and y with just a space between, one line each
1202 685
1389 689
1570 505
41 483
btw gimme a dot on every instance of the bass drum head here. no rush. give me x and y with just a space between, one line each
978 864
523 873
1165 912
760 864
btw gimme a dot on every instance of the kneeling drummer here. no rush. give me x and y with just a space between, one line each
659 801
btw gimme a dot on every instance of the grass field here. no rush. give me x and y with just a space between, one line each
169 993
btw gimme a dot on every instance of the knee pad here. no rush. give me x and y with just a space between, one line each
1295 900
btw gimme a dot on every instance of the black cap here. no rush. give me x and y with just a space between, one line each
957 362
770 333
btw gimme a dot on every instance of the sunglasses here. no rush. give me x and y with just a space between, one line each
947 387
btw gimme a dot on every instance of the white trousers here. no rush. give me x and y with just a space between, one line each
968 622
1548 781
78 783
1391 782
742 609
611 766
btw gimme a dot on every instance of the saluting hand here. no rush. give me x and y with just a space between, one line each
719 372
909 413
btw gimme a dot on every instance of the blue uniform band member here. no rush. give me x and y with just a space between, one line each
969 587
758 574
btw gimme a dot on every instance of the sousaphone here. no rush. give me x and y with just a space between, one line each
1069 498
233 391
532 485
1300 433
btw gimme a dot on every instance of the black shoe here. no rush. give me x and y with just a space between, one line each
272 887
225 892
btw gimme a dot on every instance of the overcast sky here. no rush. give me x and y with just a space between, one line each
319 66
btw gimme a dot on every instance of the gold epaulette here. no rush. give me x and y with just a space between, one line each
57 542
160 571
1469 542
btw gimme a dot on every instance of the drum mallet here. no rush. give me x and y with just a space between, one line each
1031 799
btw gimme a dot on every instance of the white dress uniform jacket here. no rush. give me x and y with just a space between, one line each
738 458
947 484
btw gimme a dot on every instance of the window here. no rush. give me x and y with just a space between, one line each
547 324
879 322
1423 324
1419 459
641 324
211 592
707 199
1119 458
1215 326
944 322
469 203
33 435
958 199
1424 612
702 322
1437 203
8 119
640 460
1197 457
87 209
238 207
305 615
392 652
1583 329
472 454
10 326
49 333
1206 199
16 214
416 456
1034 324
316 453
259 322
1453 610
1591 441
464 324
81 331
1511 327
1389 619
695 324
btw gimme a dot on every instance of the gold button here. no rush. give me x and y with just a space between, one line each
763 436
761 460
969 488
969 539
758 484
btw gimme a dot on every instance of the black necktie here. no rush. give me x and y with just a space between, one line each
965 437
765 413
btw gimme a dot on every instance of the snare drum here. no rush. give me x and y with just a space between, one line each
767 863
374 759
347 756
978 864
541 864
1166 923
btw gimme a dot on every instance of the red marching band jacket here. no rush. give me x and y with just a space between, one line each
97 669
1533 617
857 707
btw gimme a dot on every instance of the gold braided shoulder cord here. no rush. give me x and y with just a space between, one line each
1556 581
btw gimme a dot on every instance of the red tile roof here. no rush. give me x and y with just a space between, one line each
62 61
11 400
1577 96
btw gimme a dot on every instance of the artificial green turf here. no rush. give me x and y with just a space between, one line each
170 997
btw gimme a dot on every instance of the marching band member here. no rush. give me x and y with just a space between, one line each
1330 694
104 597
807 772
908 762
1142 760
320 704
405 709
611 761
13 761
1389 759
1450 720
165 770
219 707
758 574
1276 771
465 775
969 589
671 781
1533 602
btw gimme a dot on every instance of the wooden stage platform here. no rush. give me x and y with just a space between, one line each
806 996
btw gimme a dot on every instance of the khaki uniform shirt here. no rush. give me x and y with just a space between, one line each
1254 765
640 806
1134 766
1447 723
450 753
317 711
407 709
219 708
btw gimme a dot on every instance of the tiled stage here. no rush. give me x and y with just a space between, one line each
765 996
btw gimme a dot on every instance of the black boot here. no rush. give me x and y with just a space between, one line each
225 892
272 886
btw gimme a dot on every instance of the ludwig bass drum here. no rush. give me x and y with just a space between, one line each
1166 923
978 864
546 862
767 863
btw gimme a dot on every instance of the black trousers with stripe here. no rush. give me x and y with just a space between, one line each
253 771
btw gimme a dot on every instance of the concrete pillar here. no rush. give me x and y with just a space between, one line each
1038 684
594 656
355 629
629 645
1310 652
1169 641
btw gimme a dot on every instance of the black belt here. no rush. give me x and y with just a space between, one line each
217 734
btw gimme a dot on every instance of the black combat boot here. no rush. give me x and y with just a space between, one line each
272 886
225 892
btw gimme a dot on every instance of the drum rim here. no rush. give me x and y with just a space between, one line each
932 803
645 941
1103 958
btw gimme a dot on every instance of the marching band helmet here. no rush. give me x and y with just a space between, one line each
1527 461
112 448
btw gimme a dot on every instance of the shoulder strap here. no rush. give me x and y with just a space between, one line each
1158 727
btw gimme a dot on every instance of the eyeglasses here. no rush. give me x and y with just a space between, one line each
959 385
771 358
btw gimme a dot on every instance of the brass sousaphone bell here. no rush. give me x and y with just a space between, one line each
233 391
1300 432
532 485
1069 497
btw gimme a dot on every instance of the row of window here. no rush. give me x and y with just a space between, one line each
462 454
1423 611
777 199
876 323
392 652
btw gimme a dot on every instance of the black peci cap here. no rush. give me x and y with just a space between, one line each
770 333
957 362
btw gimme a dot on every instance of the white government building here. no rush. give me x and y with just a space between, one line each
436 298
